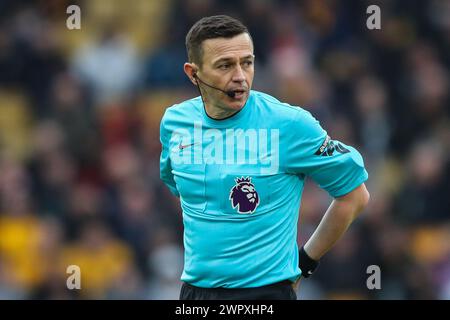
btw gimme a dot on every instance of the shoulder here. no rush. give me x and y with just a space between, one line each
182 111
281 110
183 108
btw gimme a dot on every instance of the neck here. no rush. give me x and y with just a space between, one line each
218 113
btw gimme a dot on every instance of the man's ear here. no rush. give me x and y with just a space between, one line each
191 70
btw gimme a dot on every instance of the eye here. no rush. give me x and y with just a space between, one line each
248 63
225 66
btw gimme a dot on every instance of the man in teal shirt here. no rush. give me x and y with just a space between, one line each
238 160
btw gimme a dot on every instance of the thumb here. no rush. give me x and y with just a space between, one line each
296 284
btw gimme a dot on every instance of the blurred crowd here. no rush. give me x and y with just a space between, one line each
79 139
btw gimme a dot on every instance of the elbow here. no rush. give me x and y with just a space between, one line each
363 200
356 201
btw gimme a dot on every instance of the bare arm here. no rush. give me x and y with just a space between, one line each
335 222
337 219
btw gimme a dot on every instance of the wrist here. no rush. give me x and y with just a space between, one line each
307 264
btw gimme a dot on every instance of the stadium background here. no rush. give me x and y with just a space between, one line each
79 145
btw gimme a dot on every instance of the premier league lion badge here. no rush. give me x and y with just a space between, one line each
243 196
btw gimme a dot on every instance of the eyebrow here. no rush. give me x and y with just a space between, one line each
224 59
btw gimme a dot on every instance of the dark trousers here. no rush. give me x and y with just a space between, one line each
278 291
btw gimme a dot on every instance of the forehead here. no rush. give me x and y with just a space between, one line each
218 48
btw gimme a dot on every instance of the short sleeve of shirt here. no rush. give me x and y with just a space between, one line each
333 165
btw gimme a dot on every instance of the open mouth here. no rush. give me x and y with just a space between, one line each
239 93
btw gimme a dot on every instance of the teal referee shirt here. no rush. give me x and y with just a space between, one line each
240 181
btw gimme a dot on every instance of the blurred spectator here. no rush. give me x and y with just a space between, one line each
163 68
109 66
101 258
424 198
166 262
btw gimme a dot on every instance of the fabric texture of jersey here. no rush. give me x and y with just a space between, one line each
240 181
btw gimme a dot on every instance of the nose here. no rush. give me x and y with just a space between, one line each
238 75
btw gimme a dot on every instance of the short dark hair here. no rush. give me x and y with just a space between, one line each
220 26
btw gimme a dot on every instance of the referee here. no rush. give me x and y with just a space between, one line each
238 160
